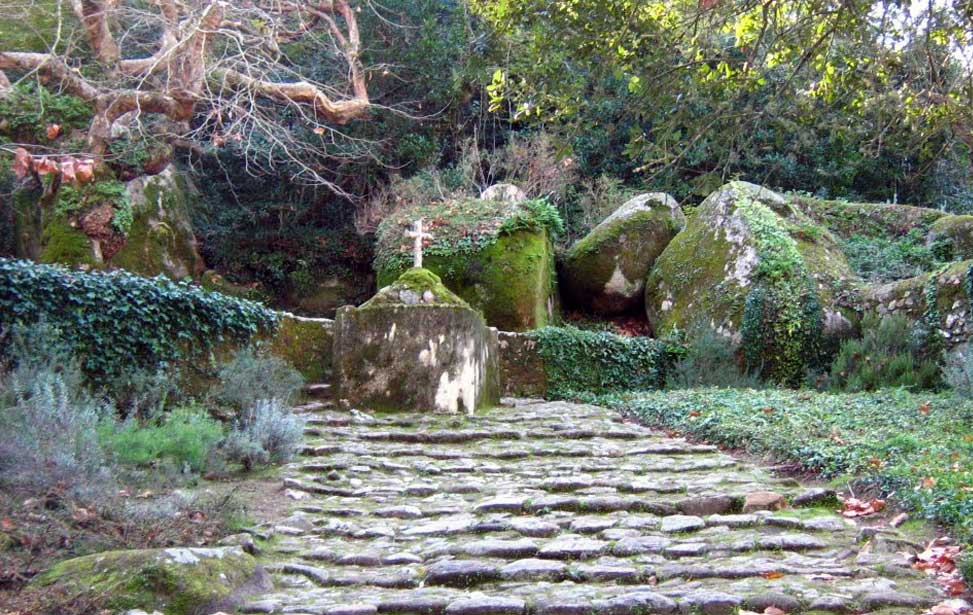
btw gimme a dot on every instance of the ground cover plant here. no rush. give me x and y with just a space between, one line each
916 447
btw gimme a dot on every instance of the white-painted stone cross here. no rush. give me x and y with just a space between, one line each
417 234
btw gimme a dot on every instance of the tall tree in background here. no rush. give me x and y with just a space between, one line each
857 97
201 73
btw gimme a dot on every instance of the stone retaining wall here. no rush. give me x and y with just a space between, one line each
522 372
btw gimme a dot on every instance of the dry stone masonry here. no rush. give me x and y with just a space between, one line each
553 508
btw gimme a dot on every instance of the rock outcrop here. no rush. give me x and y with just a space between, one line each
752 266
161 239
496 256
954 236
176 581
605 271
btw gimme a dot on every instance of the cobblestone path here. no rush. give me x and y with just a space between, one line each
551 508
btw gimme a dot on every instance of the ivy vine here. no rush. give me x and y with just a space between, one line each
117 321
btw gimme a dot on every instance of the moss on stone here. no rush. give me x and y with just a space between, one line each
65 244
867 219
416 287
511 281
956 232
754 267
307 344
605 271
160 240
175 581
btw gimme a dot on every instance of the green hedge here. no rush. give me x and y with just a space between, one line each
116 321
578 362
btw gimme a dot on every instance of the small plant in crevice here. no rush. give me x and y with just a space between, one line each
889 354
709 360
267 432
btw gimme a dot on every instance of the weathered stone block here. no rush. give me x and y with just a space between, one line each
416 346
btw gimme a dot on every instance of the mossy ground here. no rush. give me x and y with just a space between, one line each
152 579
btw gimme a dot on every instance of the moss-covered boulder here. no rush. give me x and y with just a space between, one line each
174 581
752 266
496 256
605 271
415 346
953 235
323 294
941 301
848 220
161 239
306 343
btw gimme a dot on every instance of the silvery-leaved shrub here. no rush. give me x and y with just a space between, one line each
266 432
49 434
251 376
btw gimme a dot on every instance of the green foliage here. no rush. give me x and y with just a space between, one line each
790 95
74 200
966 567
184 438
28 109
251 376
579 362
267 432
892 439
782 316
709 360
117 321
883 259
888 355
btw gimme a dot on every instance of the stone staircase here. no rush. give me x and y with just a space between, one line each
552 508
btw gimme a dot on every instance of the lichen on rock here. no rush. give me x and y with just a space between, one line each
605 271
161 239
955 233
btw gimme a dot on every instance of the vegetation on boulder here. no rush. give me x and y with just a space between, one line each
496 256
177 581
754 268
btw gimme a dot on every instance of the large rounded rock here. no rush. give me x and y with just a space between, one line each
752 266
496 256
161 239
954 235
174 581
605 271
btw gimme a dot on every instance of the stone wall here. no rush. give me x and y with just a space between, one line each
307 343
522 372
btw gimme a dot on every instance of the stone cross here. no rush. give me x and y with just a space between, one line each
417 234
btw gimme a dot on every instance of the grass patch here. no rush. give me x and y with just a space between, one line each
885 258
917 448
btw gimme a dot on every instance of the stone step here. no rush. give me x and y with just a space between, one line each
319 391
552 508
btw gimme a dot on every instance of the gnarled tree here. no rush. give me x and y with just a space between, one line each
203 72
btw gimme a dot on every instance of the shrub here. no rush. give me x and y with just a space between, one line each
115 322
709 360
887 355
48 433
184 438
268 432
251 376
966 567
144 393
892 258
577 361
958 372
